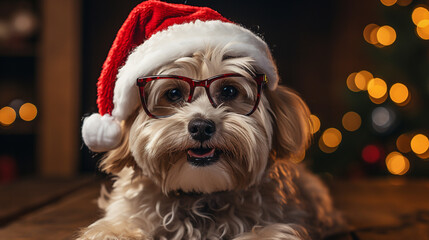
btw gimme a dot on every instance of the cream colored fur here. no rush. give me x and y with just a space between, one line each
253 192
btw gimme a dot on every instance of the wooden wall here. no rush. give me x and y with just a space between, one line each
59 88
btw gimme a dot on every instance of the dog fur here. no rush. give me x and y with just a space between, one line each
255 190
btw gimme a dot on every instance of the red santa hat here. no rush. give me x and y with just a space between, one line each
154 34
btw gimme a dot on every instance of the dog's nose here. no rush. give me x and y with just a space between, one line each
201 129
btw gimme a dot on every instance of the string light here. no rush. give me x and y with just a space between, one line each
399 93
351 121
315 123
7 116
397 164
27 112
386 35
419 144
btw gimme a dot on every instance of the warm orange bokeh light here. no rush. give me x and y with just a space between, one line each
388 2
403 143
404 3
7 116
351 83
419 14
419 144
315 123
28 111
298 157
399 93
351 121
370 32
332 137
362 78
325 148
378 100
397 164
386 35
377 88
422 29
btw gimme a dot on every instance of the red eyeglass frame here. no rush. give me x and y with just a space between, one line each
261 81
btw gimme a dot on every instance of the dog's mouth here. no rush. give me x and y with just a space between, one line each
201 157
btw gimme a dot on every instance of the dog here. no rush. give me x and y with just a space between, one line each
207 153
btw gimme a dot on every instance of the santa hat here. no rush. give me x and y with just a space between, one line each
154 34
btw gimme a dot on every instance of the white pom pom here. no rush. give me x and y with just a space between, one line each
101 133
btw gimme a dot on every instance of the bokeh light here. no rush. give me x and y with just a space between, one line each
7 116
422 29
24 22
325 148
419 14
362 78
27 112
298 157
332 137
377 88
370 33
404 3
388 2
351 83
371 154
397 164
351 121
315 123
382 119
386 35
399 93
403 143
419 144
378 100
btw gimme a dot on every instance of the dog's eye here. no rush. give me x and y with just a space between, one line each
228 93
174 95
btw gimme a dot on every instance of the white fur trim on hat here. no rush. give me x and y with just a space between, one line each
183 40
101 133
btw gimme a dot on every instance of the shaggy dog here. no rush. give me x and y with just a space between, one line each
212 161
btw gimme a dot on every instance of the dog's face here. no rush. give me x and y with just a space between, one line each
202 148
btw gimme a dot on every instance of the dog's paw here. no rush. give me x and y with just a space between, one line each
276 231
102 231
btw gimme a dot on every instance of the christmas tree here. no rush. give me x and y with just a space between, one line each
385 131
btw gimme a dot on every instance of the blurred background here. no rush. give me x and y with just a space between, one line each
361 66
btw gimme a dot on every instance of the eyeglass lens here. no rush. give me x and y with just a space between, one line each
164 96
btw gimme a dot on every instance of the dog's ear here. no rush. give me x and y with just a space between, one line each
115 160
291 119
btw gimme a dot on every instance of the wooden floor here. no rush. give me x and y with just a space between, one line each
55 209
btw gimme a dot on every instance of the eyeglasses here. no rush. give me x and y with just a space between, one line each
163 95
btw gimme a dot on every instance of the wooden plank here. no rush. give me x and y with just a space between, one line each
376 209
58 85
61 220
22 197
385 208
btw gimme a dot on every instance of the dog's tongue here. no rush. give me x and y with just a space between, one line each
201 152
